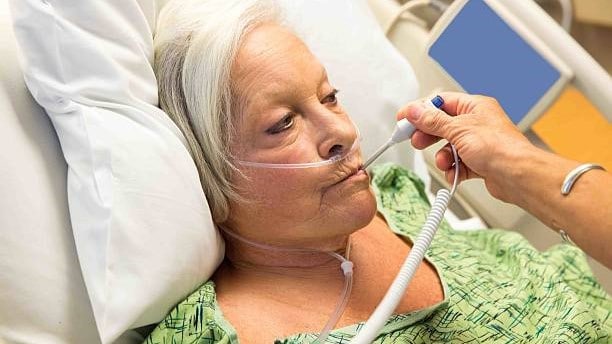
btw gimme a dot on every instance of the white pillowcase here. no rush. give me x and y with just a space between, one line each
141 224
140 221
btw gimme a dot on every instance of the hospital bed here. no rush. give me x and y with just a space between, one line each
34 217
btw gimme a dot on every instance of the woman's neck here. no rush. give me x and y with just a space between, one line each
246 257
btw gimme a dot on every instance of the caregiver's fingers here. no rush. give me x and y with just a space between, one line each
444 158
464 174
421 140
420 104
429 120
445 161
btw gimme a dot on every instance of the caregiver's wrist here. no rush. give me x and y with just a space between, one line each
511 170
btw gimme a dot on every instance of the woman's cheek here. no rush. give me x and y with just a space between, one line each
280 185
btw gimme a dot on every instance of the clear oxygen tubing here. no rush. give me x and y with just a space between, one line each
394 295
334 159
347 270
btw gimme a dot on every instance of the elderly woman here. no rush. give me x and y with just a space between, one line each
243 88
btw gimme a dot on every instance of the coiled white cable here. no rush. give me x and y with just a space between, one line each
398 288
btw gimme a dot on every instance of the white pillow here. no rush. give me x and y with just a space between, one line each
140 221
42 295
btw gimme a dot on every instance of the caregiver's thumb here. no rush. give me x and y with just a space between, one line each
429 119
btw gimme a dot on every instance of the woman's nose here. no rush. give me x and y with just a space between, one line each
339 135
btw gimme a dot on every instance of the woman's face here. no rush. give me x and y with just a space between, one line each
289 113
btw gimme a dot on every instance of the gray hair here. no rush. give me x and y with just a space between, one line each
195 45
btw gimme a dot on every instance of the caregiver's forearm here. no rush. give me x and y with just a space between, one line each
533 182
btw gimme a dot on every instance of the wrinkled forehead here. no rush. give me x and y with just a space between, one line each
273 64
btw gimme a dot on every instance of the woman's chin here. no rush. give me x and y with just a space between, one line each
360 208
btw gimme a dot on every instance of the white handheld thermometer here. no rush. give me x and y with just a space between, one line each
403 131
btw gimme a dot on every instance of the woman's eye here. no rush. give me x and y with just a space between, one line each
282 125
331 98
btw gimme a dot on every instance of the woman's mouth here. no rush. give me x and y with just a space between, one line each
356 175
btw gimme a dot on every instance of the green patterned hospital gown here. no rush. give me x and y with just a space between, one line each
498 288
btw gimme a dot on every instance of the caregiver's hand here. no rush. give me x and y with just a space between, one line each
516 171
484 136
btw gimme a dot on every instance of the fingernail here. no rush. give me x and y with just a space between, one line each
415 113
